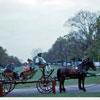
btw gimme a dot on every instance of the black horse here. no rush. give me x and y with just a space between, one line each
72 73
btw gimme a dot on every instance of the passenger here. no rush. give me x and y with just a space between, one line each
25 68
11 68
30 63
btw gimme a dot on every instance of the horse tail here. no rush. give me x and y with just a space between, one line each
58 74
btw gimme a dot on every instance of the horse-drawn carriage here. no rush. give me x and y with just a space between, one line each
43 85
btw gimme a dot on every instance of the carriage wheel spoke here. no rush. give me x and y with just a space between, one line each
44 85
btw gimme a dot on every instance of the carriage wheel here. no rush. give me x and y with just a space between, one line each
44 85
6 83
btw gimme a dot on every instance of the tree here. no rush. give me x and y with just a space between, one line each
5 58
74 47
82 40
97 29
83 23
94 50
68 47
57 52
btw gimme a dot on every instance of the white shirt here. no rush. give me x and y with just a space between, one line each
40 60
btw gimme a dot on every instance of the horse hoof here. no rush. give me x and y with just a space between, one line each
60 91
64 90
84 90
80 89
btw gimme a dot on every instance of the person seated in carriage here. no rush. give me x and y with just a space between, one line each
40 60
30 63
26 67
11 68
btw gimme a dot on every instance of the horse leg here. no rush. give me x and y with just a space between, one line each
60 80
60 85
79 84
64 90
60 89
83 80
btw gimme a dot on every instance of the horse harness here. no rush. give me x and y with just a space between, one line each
80 72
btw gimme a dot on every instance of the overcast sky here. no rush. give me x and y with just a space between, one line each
32 24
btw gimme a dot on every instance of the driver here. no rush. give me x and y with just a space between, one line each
11 68
40 60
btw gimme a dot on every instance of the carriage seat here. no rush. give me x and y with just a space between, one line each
10 74
41 65
29 72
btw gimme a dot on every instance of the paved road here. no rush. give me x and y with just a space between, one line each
69 89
